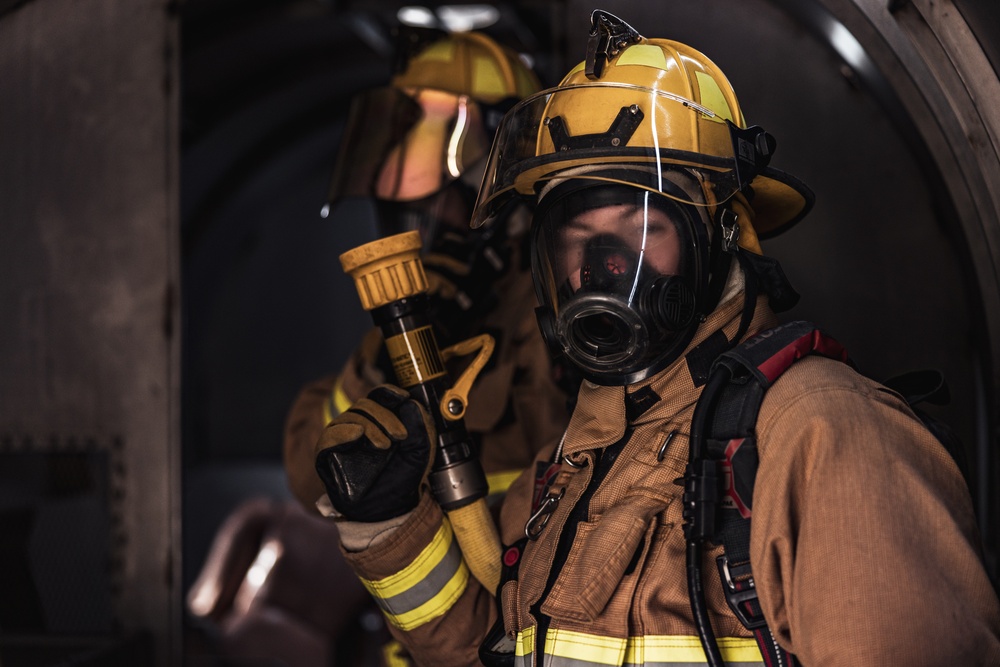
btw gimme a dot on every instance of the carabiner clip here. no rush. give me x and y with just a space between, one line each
533 528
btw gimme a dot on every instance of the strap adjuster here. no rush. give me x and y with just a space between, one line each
741 593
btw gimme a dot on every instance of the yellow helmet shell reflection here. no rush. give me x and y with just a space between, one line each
652 66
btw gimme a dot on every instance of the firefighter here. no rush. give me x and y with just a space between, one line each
649 192
416 148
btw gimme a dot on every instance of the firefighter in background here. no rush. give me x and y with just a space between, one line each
417 149
649 192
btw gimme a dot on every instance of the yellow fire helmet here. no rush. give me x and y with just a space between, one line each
433 123
633 110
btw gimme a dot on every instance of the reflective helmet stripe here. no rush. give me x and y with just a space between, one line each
500 481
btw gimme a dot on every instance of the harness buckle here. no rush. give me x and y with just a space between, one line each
741 593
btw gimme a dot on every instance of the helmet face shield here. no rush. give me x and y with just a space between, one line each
618 270
407 144
560 132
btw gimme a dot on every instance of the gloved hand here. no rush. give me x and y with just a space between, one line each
374 458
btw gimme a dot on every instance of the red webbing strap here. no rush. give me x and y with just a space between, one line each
770 353
813 342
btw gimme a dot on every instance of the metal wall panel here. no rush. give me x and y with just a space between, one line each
88 278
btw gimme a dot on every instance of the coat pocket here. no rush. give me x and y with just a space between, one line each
603 560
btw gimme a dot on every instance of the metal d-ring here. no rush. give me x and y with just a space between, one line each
663 448
584 462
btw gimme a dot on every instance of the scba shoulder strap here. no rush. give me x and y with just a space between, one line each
724 464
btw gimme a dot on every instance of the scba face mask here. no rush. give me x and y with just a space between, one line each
620 273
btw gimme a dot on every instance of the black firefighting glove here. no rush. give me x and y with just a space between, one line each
374 457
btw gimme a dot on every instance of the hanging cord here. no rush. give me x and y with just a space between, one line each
701 495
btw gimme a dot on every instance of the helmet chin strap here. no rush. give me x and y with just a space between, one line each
724 249
728 228
749 297
759 272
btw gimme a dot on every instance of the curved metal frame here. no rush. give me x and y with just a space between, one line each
940 74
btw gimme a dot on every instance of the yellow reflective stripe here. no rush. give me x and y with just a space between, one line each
436 606
687 649
648 55
443 51
565 647
414 573
487 77
394 655
340 398
337 403
525 642
580 646
712 96
499 482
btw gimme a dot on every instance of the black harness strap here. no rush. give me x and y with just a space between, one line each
729 439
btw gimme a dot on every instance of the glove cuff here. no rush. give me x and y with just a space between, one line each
355 536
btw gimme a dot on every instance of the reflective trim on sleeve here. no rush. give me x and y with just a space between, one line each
565 648
427 587
337 403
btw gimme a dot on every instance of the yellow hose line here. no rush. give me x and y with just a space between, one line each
480 543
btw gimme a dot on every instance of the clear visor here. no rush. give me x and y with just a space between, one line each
614 133
403 145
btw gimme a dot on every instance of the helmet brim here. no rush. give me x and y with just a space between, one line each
779 201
